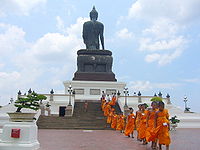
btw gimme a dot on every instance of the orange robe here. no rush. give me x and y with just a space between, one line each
103 106
113 101
162 127
109 118
107 110
114 121
130 124
137 121
103 101
120 122
150 129
142 124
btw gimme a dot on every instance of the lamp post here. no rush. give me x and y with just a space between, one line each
70 90
185 101
68 110
125 93
126 110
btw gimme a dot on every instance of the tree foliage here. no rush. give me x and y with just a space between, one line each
31 101
157 99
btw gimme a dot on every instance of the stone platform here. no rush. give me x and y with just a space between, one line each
182 139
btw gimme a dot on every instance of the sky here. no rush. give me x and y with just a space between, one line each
155 45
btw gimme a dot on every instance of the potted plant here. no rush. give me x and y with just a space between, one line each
174 121
31 101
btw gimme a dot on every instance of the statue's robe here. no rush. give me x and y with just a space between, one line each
91 32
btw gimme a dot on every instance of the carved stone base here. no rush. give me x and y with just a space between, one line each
94 65
86 76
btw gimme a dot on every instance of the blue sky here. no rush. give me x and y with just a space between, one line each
155 45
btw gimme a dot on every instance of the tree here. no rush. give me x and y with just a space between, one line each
31 101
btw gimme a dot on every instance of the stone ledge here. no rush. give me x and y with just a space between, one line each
94 52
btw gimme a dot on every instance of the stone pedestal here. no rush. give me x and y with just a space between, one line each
68 111
94 65
27 139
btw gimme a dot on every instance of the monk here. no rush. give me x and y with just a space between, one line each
113 100
103 101
137 120
109 118
162 126
150 124
107 109
130 124
114 120
104 105
142 123
120 122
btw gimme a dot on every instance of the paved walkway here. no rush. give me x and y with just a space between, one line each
182 139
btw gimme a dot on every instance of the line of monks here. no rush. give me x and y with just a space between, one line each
152 124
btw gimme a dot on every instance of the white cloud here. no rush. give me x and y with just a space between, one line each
76 29
192 80
124 34
60 24
2 65
152 57
12 37
19 7
6 79
52 57
179 10
165 22
147 44
162 28
165 58
148 86
163 38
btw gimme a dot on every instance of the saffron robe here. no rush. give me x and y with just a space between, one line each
130 125
162 129
109 118
150 128
107 110
113 101
120 122
114 121
142 124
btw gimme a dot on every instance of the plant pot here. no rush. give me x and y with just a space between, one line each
21 117
174 125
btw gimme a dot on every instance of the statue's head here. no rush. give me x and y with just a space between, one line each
93 14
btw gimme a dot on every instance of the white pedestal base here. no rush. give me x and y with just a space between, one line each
28 136
92 90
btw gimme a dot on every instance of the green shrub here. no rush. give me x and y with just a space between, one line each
31 101
157 99
173 120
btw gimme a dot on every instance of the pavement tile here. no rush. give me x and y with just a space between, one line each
182 139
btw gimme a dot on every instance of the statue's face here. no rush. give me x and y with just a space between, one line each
93 17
